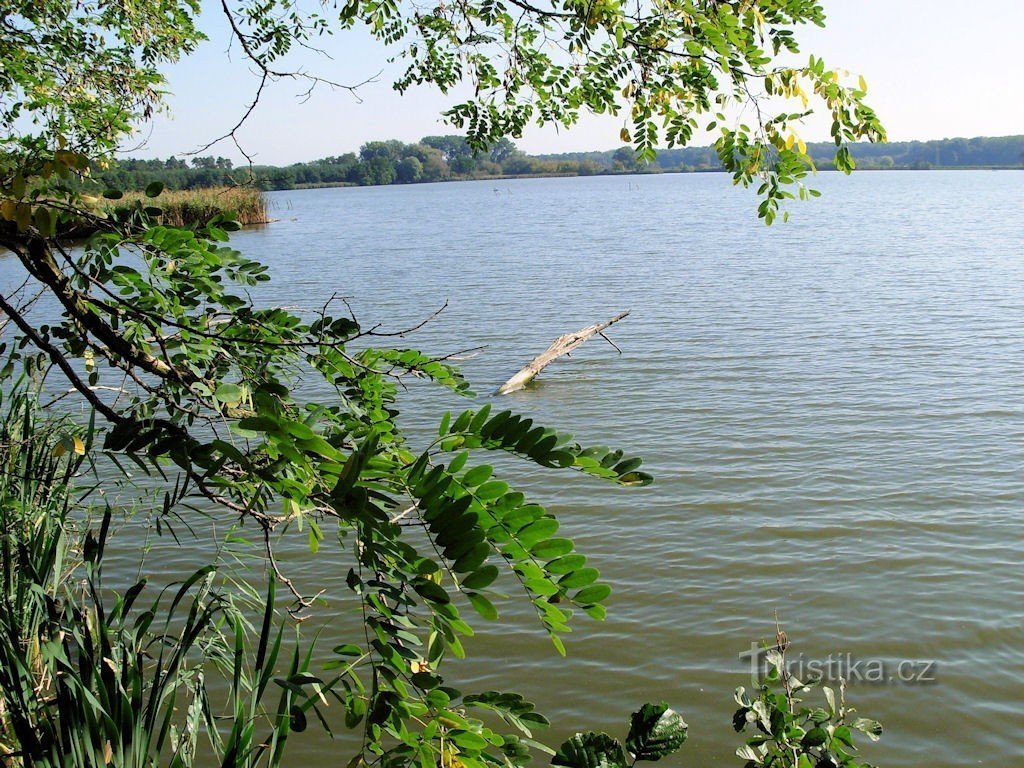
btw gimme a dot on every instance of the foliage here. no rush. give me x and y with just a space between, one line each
672 69
425 528
90 676
242 204
419 163
655 732
794 735
193 382
381 162
78 73
978 152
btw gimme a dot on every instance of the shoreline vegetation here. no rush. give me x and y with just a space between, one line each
450 158
245 204
197 191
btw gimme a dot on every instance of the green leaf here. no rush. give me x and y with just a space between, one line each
655 731
566 564
315 537
595 593
814 738
483 606
431 591
481 578
477 475
551 548
537 531
154 188
258 423
590 750
229 393
638 479
492 490
842 733
580 578
348 649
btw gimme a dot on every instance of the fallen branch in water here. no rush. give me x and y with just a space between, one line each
563 345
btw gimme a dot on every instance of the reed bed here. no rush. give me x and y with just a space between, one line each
187 207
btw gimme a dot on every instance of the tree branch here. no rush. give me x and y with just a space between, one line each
61 362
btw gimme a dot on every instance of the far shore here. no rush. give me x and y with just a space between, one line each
638 172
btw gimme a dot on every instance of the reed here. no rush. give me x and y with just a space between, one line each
188 207
92 677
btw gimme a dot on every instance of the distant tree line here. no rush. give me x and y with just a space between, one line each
433 158
980 152
440 158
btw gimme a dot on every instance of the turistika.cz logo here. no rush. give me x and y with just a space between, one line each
846 667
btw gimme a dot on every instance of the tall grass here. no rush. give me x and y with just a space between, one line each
187 207
92 677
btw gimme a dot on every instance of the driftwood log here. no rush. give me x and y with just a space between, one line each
563 345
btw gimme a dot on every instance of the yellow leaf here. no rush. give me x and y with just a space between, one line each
862 83
802 146
790 140
79 446
23 216
624 135
59 450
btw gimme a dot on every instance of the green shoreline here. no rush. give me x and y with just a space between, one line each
452 158
657 172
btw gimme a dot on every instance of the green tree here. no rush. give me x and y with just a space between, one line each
624 159
409 170
501 149
451 147
462 165
427 531
519 163
435 168
387 150
377 170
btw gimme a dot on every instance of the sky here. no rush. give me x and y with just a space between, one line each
935 69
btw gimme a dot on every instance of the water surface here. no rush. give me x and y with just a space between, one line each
832 409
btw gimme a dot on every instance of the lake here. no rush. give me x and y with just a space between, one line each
832 409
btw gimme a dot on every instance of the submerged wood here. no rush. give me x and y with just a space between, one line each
563 345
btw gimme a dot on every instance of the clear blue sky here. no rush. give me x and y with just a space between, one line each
935 68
